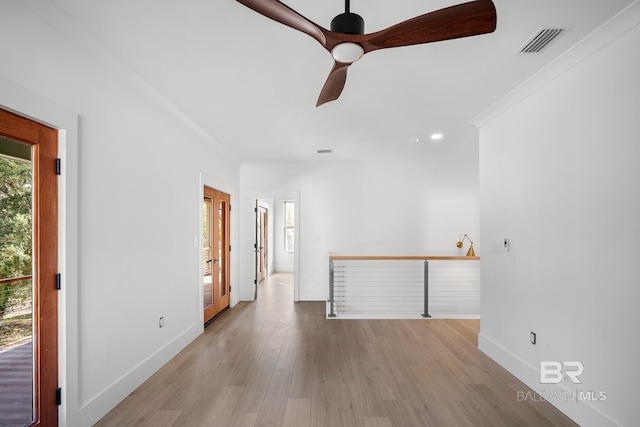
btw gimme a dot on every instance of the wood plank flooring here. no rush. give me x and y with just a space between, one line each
278 363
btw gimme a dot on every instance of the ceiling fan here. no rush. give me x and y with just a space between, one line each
347 42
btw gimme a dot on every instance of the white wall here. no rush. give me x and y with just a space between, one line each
366 208
133 184
283 261
558 176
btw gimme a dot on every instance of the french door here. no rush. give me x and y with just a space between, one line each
262 245
28 267
215 253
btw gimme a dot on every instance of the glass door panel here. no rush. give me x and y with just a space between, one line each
223 250
16 287
207 252
222 245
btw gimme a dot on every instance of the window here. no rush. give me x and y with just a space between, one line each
289 221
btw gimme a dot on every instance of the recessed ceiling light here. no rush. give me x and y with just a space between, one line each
325 151
436 136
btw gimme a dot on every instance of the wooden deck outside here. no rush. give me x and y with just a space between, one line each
16 366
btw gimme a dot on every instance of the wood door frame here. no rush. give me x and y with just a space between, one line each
44 141
226 198
263 242
258 259
221 292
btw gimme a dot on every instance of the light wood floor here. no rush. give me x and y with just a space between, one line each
278 363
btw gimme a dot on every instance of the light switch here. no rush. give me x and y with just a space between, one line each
505 244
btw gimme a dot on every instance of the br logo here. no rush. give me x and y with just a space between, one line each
552 372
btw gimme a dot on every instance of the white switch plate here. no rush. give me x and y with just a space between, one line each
505 244
496 245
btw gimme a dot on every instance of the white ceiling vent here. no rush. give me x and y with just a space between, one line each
541 40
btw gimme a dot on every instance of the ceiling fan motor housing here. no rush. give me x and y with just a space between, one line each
348 23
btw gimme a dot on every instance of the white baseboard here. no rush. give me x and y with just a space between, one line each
402 315
578 410
93 410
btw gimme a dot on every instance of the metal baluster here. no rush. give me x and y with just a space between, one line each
331 302
426 290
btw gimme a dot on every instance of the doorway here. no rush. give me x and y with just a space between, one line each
28 271
215 253
281 257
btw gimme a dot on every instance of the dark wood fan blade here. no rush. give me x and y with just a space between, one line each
335 83
463 20
285 15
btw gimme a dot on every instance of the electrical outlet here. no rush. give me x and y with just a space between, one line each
161 322
532 338
496 246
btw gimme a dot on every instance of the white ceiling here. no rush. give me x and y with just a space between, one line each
252 83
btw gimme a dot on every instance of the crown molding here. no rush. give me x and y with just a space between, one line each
618 25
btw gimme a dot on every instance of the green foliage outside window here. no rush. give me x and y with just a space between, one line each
15 232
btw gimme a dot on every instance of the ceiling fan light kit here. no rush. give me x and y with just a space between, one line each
347 53
347 42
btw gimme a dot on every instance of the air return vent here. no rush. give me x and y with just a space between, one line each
541 40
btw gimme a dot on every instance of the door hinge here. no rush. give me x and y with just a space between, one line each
58 167
255 282
59 396
229 248
229 208
255 210
58 281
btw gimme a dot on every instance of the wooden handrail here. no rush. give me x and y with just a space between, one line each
400 257
15 279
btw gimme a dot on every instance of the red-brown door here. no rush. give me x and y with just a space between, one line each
215 253
37 147
262 239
